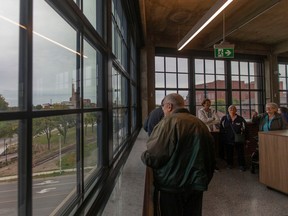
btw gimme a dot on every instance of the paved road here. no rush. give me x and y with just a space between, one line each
47 194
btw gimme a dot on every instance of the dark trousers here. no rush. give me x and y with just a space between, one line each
188 203
239 147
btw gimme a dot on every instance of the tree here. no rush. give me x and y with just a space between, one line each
44 125
63 123
3 104
90 119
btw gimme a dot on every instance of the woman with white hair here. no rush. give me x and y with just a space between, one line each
232 128
270 120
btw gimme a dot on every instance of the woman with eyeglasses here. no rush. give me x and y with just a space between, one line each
270 120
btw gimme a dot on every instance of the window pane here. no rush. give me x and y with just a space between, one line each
54 154
91 68
220 82
234 68
159 80
159 63
183 80
235 97
159 95
115 87
243 68
199 66
182 65
221 103
199 97
210 81
9 44
199 81
211 95
92 124
220 69
123 124
171 80
282 72
283 97
120 127
185 95
123 91
245 97
209 67
253 68
282 84
244 82
93 10
171 91
170 64
54 63
9 166
235 82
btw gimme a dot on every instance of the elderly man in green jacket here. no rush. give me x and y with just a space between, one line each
180 151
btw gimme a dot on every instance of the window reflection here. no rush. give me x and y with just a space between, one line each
92 122
91 69
93 10
54 67
54 161
9 57
120 109
9 166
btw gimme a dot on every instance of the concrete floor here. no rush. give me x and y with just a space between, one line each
230 193
235 193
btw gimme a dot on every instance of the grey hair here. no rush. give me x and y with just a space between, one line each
232 106
272 105
175 99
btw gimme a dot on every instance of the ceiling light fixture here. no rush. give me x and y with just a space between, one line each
203 22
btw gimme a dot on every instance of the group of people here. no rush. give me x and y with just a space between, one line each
181 150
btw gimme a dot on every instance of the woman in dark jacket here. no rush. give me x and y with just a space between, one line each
270 120
230 125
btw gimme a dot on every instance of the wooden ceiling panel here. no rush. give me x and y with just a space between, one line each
258 23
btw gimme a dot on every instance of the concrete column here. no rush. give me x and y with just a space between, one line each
147 67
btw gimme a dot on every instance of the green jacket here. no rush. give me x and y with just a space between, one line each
181 153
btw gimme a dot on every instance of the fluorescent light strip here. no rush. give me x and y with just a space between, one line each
207 18
11 21
42 36
55 42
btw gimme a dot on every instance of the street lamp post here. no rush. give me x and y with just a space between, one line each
60 158
6 153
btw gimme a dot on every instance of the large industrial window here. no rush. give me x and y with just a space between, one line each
120 109
210 82
247 87
119 33
224 82
171 75
65 111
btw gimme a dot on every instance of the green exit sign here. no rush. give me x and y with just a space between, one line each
224 52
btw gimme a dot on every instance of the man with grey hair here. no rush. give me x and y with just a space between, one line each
180 151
